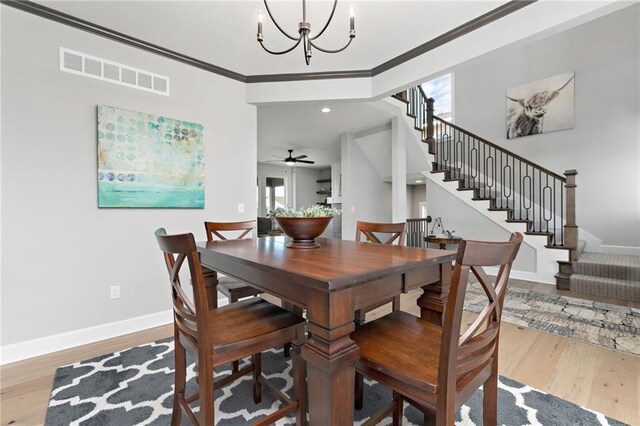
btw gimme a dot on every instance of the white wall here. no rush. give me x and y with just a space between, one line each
467 223
365 195
418 194
604 145
274 170
61 253
306 186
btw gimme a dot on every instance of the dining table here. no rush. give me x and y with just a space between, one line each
331 282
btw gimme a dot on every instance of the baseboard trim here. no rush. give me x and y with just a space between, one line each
71 339
522 275
57 342
634 251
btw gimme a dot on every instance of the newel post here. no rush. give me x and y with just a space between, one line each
428 136
570 227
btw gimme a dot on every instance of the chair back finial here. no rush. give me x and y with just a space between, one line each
477 344
398 232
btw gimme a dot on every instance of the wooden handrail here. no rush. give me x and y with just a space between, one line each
499 148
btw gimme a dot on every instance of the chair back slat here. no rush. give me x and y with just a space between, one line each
477 345
216 229
187 313
398 232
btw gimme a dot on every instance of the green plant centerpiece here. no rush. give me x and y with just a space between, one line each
304 225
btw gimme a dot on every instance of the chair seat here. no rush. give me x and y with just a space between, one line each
255 319
401 346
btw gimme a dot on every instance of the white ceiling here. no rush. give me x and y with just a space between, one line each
307 130
224 32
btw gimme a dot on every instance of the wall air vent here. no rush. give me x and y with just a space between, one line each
105 70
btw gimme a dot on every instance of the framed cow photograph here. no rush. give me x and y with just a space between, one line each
541 106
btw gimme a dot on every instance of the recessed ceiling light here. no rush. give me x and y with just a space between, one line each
326 110
418 181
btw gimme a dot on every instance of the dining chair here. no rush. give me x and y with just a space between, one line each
436 368
232 288
397 233
217 336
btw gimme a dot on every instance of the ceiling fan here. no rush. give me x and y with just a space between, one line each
291 160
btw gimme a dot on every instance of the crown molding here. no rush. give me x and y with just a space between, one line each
469 26
90 27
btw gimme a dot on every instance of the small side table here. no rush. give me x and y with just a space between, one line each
442 241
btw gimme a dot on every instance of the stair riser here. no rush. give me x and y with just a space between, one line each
619 272
628 290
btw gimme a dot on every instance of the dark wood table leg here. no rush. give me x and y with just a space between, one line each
434 299
331 356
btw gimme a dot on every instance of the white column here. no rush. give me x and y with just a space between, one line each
398 172
348 186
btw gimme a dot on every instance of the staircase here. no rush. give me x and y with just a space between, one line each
529 194
607 275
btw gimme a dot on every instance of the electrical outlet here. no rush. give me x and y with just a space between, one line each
115 291
240 207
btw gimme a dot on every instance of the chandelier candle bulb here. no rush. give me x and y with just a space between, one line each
260 26
352 20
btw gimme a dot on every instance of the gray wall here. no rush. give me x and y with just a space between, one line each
60 252
604 146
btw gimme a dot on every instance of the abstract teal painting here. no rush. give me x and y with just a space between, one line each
149 161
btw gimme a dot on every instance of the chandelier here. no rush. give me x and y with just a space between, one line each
304 33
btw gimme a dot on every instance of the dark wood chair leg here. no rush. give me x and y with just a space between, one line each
300 381
257 372
396 303
490 397
397 413
206 392
180 381
295 310
359 391
359 317
235 364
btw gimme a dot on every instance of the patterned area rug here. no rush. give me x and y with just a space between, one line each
135 387
611 326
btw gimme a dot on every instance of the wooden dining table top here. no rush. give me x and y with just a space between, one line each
335 265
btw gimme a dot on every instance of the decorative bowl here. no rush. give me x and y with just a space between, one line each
303 230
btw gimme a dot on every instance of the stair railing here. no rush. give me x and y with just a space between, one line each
530 193
417 229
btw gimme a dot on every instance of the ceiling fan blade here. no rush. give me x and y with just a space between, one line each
277 156
305 161
275 161
299 157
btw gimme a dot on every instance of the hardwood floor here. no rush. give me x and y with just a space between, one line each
591 376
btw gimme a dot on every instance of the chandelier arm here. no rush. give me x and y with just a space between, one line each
332 51
283 51
276 23
335 3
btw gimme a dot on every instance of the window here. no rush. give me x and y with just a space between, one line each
440 90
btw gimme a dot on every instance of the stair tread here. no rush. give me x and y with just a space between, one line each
610 259
576 277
